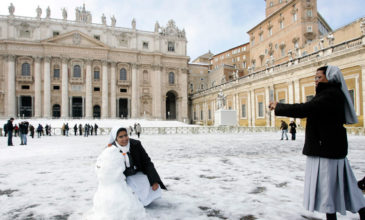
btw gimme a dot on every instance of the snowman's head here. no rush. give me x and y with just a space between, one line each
110 166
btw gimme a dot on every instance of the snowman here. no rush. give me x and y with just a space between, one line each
114 200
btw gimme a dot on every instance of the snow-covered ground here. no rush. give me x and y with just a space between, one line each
103 123
219 176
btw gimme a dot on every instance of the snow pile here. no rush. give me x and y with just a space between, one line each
114 200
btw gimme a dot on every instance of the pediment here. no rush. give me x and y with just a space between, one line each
76 38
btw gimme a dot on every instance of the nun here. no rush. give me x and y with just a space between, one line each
330 185
140 172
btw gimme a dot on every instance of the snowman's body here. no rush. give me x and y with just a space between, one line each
114 199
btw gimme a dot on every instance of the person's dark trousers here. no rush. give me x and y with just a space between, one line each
10 139
6 133
293 136
138 134
331 216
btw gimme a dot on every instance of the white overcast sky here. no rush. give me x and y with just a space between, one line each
215 25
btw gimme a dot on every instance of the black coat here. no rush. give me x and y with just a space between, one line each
9 126
325 135
293 127
142 162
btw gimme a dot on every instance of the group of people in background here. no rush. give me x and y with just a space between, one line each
136 128
88 129
284 130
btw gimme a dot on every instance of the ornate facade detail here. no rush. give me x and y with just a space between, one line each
39 12
171 30
113 21
133 24
362 26
76 39
103 19
82 15
48 12
64 14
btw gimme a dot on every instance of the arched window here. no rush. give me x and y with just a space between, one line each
56 111
25 69
77 71
123 74
56 72
96 73
171 78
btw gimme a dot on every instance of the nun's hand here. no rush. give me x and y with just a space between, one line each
272 105
155 186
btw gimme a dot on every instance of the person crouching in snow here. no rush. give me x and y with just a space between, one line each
141 174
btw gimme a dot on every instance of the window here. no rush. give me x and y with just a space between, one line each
309 13
295 17
352 95
270 31
243 48
56 33
123 90
261 37
271 4
280 1
145 45
209 114
25 87
56 87
261 109
171 78
244 57
243 111
309 98
281 24
145 75
201 86
77 71
96 73
25 69
282 50
96 89
238 58
97 37
244 65
309 29
123 74
253 42
56 72
171 46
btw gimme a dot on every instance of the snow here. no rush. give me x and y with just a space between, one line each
213 176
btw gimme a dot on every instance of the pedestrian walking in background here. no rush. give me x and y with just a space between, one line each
31 129
67 128
63 129
284 130
5 130
329 185
23 127
130 130
46 127
80 129
10 128
96 129
138 129
75 129
293 130
39 130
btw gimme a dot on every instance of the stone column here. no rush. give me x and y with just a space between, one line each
238 107
135 98
11 86
249 116
113 110
184 91
157 95
37 88
104 101
253 113
47 88
297 96
65 98
88 91
267 101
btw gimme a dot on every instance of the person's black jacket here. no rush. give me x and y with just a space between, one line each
142 162
9 126
325 135
23 127
293 127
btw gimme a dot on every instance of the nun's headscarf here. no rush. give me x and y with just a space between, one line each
333 74
113 134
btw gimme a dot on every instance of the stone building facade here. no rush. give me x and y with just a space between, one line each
61 68
289 79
